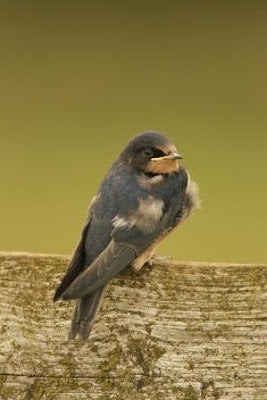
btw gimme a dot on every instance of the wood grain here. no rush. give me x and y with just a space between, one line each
189 331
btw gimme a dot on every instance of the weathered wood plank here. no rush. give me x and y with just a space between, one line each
188 331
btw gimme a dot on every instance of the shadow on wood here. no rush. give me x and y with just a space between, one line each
189 331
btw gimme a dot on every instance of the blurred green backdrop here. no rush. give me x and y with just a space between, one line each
78 79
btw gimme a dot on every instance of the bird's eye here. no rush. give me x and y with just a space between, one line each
148 152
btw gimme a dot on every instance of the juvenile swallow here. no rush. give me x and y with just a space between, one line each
143 197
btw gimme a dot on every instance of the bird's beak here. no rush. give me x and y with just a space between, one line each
171 156
174 156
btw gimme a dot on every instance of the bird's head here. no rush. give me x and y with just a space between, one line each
151 152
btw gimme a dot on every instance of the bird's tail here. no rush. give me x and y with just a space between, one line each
84 314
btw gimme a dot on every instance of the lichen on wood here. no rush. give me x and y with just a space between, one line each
186 331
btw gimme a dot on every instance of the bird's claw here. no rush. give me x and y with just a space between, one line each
155 259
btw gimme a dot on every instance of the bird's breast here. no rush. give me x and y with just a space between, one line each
145 217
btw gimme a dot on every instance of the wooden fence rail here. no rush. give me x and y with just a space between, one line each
176 331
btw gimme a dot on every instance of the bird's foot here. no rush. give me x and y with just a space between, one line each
155 259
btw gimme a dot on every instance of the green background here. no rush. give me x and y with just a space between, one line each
78 79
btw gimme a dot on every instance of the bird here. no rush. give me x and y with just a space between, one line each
144 196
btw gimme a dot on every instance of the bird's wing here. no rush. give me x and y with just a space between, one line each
125 245
108 264
76 264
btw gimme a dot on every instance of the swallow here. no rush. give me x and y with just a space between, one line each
143 197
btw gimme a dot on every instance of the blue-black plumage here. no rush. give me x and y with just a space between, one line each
145 195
